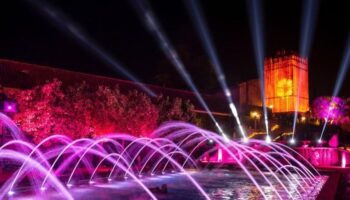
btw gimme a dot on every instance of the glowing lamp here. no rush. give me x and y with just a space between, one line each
255 115
109 179
319 141
245 140
268 139
69 185
10 193
343 161
227 92
10 107
42 188
292 141
303 118
219 155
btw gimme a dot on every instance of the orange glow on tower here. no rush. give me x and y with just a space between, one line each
286 83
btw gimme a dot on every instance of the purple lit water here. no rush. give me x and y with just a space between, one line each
219 184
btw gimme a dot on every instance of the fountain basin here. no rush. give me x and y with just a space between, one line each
219 184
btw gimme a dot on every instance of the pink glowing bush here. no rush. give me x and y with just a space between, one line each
331 108
85 111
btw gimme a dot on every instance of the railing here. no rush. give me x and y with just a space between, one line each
325 156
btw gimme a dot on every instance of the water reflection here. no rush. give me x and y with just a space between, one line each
219 184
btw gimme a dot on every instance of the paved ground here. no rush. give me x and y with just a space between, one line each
338 185
343 192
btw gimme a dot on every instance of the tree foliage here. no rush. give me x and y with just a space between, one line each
330 108
82 110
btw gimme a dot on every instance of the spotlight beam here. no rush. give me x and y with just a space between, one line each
308 22
203 31
343 69
66 25
146 14
255 13
344 66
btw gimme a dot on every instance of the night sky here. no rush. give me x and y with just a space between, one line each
29 36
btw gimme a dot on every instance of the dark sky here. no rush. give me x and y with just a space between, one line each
26 35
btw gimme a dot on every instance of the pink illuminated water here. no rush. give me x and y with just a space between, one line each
120 166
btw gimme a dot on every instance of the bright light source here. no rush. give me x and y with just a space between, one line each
42 188
343 161
211 141
227 92
10 193
109 179
303 118
140 175
245 140
255 115
292 141
91 182
319 141
69 185
10 107
219 155
268 139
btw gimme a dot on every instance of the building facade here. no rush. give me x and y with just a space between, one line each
286 83
249 93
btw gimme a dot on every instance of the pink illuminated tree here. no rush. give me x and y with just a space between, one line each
82 110
331 108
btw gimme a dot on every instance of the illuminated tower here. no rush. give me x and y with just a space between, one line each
286 83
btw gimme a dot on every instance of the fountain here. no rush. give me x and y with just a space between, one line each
113 164
179 160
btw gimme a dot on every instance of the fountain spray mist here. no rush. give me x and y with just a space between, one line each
344 66
203 31
255 13
308 22
67 26
146 14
